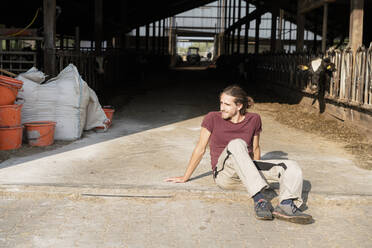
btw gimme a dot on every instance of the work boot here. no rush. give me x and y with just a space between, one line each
262 210
291 213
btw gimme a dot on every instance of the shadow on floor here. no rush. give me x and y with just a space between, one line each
157 101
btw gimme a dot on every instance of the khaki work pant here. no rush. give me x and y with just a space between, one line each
235 166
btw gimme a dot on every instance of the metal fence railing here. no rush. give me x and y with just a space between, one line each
112 67
351 81
17 61
84 61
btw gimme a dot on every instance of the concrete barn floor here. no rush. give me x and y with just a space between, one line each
107 189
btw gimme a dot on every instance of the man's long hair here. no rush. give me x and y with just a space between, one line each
241 97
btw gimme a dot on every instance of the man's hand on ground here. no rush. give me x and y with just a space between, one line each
176 180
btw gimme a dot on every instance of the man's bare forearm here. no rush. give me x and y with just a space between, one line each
256 147
257 153
195 159
196 156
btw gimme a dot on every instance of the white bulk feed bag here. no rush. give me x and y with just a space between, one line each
96 117
63 99
70 100
33 75
29 94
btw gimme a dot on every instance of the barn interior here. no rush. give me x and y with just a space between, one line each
161 65
119 46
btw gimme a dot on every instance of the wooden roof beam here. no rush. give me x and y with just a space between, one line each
253 15
309 5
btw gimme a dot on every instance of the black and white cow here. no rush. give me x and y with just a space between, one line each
100 64
320 71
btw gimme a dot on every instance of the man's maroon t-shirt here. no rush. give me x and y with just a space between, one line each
223 131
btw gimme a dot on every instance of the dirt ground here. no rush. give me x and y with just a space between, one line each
307 119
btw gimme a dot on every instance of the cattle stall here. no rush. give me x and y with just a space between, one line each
350 83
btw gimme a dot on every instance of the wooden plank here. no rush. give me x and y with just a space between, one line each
356 24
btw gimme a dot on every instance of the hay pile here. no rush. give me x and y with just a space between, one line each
309 120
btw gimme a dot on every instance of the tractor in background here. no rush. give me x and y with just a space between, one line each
193 56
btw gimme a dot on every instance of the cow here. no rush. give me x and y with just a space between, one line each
100 64
319 70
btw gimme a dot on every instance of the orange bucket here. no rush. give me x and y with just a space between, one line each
10 137
10 115
109 112
40 133
9 89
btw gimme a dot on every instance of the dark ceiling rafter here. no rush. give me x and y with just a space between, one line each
254 15
118 19
308 6
314 14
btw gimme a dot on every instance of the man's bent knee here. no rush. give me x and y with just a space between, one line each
294 168
236 143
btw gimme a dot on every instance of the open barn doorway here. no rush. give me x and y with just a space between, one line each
195 52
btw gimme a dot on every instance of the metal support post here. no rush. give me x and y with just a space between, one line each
274 16
61 42
233 31
257 36
229 13
324 28
98 25
137 38
163 39
77 39
159 37
147 37
240 27
49 37
247 25
123 20
225 15
153 36
279 45
300 28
